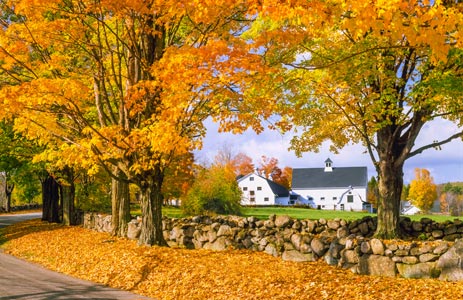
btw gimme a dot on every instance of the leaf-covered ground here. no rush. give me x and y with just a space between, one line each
166 273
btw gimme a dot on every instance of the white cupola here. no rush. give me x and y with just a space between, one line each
328 165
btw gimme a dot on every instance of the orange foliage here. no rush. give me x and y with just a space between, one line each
167 273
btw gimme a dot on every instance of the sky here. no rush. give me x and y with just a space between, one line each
445 165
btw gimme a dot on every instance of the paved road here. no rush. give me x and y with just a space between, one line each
22 280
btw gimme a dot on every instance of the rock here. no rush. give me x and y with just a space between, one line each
377 247
318 247
426 221
333 224
450 229
269 224
440 249
342 232
428 257
420 270
133 231
363 227
296 256
224 230
271 249
349 256
376 265
296 240
222 243
417 226
450 263
409 260
283 221
311 225
365 247
437 234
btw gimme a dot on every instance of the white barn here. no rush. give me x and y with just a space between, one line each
332 188
258 190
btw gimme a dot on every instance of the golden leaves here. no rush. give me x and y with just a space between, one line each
166 273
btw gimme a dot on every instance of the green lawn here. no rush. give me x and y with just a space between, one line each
302 213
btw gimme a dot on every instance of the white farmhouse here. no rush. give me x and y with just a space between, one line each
332 188
258 190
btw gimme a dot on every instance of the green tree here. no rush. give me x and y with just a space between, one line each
215 190
423 191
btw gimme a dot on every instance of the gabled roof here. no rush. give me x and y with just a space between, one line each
308 178
276 188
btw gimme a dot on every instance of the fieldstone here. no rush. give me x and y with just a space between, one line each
271 249
451 263
450 229
349 256
296 256
363 227
417 226
409 260
419 270
452 237
311 225
377 247
318 247
437 234
426 221
283 221
222 243
401 252
428 257
224 230
440 249
365 247
342 232
350 244
296 240
133 230
269 224
333 224
376 265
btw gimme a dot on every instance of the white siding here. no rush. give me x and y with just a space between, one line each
334 198
257 191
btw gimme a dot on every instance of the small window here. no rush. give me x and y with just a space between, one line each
266 199
252 199
335 198
251 193
251 178
350 199
259 188
310 198
323 206
322 199
245 188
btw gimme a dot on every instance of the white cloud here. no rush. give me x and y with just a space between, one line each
445 165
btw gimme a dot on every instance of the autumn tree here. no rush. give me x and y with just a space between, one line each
123 86
373 73
215 190
451 199
422 191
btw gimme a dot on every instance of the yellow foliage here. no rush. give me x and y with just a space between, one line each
423 191
171 273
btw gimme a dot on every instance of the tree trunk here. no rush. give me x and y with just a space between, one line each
120 203
67 197
50 200
390 189
151 206
8 191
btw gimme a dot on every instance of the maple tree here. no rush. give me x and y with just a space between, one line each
372 72
216 190
451 199
122 86
423 191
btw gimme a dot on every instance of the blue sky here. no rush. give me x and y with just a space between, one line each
445 165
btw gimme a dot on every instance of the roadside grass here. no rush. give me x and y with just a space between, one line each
263 213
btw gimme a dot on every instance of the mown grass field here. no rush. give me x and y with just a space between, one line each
303 213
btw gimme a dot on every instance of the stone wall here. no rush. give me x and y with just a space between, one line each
434 250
